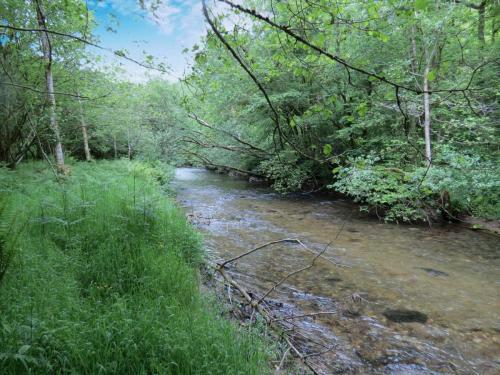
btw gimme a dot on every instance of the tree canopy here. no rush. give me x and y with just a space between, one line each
392 103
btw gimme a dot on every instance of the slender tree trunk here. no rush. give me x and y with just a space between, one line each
86 147
114 147
129 146
481 21
413 53
495 12
47 56
412 122
427 117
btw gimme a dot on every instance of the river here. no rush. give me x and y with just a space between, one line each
401 299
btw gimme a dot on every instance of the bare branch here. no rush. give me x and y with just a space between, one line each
117 53
289 240
275 116
273 288
266 317
235 137
54 92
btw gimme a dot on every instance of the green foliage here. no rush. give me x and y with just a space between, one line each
104 282
472 182
284 172
391 192
417 194
335 117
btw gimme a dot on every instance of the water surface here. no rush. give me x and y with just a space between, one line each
448 274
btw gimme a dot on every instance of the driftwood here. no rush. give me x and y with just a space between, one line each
277 325
256 304
289 240
267 317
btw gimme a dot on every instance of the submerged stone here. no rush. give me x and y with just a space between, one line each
405 316
434 272
333 280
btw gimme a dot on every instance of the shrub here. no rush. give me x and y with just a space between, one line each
416 194
285 171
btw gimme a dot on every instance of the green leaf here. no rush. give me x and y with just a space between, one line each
327 149
362 109
421 4
336 170
431 76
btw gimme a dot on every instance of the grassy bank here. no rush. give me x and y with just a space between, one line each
101 278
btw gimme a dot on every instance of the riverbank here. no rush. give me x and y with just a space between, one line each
434 216
98 274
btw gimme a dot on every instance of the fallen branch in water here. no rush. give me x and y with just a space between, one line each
294 273
289 240
257 304
291 317
320 353
292 240
266 316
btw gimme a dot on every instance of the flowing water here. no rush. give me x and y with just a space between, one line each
399 299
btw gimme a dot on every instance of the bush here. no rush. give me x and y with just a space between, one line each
390 191
285 171
412 195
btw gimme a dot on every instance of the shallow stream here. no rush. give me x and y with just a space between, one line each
401 299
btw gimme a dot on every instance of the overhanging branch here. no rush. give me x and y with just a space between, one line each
343 62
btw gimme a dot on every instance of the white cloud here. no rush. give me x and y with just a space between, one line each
181 22
165 17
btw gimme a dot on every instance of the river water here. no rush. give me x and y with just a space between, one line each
400 299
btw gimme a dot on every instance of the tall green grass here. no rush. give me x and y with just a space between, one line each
103 279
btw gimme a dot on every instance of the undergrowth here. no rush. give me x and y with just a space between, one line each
101 278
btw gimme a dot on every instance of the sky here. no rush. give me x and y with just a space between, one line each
176 25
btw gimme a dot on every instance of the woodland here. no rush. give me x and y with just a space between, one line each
392 104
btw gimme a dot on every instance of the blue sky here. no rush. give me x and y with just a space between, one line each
177 24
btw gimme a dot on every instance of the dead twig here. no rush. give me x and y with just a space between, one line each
278 368
266 315
291 240
320 353
291 317
294 273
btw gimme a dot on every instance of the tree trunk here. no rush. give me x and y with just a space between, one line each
86 147
412 120
413 52
129 145
114 147
427 117
495 12
481 21
47 56
25 147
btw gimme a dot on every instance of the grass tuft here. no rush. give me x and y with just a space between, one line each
103 279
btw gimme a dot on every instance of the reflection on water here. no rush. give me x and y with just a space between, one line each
406 300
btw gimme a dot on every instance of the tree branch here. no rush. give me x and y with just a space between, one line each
117 53
288 31
235 137
54 92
